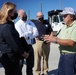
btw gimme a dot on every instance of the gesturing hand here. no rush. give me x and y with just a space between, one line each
48 38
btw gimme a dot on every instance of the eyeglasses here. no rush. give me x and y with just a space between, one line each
65 15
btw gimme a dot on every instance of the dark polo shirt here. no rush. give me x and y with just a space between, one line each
43 28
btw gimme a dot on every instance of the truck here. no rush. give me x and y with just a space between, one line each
55 20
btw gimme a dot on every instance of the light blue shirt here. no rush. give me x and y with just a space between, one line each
26 29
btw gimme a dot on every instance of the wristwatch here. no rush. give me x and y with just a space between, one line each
55 41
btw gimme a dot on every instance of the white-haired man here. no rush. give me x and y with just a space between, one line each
67 41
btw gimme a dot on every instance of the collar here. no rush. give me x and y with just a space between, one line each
72 23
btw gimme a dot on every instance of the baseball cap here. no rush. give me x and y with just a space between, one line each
68 10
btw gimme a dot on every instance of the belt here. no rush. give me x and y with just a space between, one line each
66 53
41 39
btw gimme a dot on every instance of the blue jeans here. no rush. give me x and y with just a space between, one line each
67 64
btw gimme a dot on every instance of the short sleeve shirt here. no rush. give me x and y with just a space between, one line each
68 32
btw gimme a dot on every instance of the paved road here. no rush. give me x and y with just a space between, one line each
53 61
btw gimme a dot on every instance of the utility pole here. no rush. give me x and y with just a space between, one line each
60 4
41 7
28 14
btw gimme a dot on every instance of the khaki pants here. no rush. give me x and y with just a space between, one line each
41 49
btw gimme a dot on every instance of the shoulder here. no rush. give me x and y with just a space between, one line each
36 22
63 28
29 22
46 22
18 23
74 22
4 27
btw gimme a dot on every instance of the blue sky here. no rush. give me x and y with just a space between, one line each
35 5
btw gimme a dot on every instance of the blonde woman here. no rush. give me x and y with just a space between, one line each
11 50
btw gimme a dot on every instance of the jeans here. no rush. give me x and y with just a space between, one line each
67 64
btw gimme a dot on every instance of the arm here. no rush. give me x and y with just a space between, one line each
7 35
65 42
68 41
24 44
33 32
21 30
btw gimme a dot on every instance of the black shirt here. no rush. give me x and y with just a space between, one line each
43 28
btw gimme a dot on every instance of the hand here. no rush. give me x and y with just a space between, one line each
48 38
43 37
25 55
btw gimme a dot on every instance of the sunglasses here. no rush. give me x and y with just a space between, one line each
41 16
65 15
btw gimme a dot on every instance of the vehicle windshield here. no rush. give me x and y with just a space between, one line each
55 19
61 18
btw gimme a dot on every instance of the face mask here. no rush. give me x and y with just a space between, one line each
24 18
15 16
41 19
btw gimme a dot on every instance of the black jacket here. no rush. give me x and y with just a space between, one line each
9 39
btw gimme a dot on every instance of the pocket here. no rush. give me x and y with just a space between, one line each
14 57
